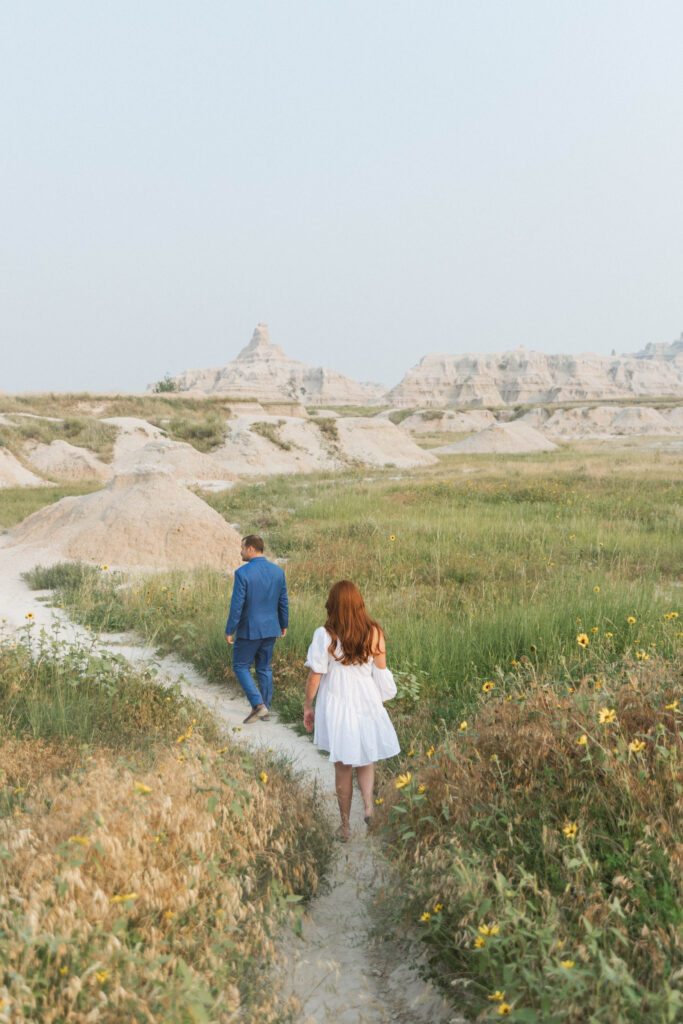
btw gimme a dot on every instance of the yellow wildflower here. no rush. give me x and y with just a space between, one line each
392 538
631 619
430 752
30 615
479 942
411 752
123 897
142 788
568 964
105 568
101 976
594 629
609 636
403 780
463 726
596 590
497 996
487 687
222 750
635 746
421 788
263 777
582 740
504 1009
168 914
426 916
570 830
582 640
485 929
63 970
83 840
379 801
438 907
672 707
606 716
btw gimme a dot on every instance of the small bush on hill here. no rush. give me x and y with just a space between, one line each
205 433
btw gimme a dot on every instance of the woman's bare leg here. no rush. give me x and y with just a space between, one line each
343 781
366 782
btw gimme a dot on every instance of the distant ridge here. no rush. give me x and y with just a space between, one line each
523 376
264 371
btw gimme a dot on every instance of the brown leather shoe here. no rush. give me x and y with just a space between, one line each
261 711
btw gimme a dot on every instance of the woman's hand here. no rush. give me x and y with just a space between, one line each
309 719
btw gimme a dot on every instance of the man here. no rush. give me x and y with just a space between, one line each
259 613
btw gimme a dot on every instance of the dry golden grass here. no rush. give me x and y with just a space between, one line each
131 894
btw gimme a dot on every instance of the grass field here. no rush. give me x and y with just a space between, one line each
524 599
147 861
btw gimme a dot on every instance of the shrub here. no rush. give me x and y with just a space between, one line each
541 852
205 433
271 432
167 385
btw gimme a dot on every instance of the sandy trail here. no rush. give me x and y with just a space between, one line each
339 971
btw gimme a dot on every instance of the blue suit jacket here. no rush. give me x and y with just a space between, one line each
259 607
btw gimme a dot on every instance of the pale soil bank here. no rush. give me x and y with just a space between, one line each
339 971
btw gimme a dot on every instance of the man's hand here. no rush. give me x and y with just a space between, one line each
283 632
229 638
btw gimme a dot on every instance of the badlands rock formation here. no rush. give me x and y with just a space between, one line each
505 438
143 518
379 442
522 376
183 462
13 474
66 461
132 434
263 371
272 444
425 421
605 421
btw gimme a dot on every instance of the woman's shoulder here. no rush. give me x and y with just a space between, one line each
320 633
379 644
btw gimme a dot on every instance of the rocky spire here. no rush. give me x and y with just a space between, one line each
260 347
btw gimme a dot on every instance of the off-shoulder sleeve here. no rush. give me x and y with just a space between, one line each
318 655
384 681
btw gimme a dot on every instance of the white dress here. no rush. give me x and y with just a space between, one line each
350 719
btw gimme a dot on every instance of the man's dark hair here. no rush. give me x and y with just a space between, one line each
252 541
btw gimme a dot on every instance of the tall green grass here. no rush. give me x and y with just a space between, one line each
469 577
18 502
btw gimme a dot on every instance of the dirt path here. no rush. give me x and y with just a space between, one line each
339 971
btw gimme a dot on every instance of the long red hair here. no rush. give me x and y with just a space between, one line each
349 623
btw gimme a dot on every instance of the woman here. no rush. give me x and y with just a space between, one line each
348 672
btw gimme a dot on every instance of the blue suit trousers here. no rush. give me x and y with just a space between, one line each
258 653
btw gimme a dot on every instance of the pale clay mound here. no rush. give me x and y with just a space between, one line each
504 438
378 442
248 453
66 461
13 474
143 518
133 433
605 421
373 441
448 422
185 463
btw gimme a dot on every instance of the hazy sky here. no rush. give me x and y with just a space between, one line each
375 180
